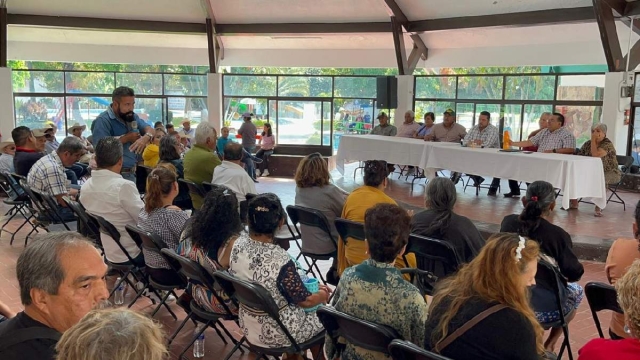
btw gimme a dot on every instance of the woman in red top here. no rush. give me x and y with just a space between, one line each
629 299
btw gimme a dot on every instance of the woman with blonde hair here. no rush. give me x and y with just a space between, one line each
315 190
492 289
628 289
113 334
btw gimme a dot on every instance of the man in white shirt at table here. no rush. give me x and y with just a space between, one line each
484 135
554 139
117 200
231 173
409 126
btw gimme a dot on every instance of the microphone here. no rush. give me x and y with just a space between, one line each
134 126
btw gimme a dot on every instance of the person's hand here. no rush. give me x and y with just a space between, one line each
429 137
410 213
324 293
130 137
138 146
325 288
594 138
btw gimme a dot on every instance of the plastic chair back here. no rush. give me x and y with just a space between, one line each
350 229
601 297
404 350
310 217
194 188
436 256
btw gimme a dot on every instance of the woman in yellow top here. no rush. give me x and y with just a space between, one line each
151 153
357 203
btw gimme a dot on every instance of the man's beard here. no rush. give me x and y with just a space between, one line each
128 117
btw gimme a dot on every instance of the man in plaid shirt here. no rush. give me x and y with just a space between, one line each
486 135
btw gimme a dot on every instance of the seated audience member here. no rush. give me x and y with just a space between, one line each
8 149
61 278
543 122
267 144
51 143
384 128
113 334
158 124
201 160
486 135
188 131
493 285
426 128
74 171
28 149
161 217
315 190
170 129
440 222
117 200
170 154
278 274
222 141
47 175
448 130
628 289
185 142
357 203
409 127
77 130
151 153
600 146
5 312
231 173
556 244
553 139
622 254
375 290
208 238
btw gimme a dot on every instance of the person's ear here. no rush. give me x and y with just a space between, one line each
402 251
552 206
524 201
40 299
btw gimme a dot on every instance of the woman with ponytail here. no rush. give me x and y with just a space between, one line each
159 216
440 222
493 287
556 244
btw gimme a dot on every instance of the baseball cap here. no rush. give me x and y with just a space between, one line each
247 114
39 132
382 114
449 112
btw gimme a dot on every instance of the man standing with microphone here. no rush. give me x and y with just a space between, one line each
120 121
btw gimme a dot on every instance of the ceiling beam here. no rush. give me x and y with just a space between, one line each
398 43
608 35
302 28
528 18
212 31
618 6
401 19
414 57
214 60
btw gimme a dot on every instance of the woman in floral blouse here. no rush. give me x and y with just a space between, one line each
600 146
375 290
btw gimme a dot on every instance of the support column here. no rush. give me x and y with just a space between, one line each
613 111
215 103
6 104
405 97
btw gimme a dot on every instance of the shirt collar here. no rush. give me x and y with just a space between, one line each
19 148
229 164
202 147
381 265
56 158
105 173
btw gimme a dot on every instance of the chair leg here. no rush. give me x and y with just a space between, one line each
163 301
565 330
175 333
219 333
235 348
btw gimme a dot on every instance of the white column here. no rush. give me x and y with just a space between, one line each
7 121
613 111
405 97
215 102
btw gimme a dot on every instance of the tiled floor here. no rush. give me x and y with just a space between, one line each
490 210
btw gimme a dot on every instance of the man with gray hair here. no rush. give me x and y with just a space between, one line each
61 277
409 126
108 194
200 162
231 174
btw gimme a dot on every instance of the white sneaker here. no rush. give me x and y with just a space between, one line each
265 173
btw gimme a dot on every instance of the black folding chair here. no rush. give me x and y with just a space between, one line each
365 334
198 275
18 200
194 189
405 350
51 205
257 298
435 259
123 269
314 218
153 244
207 186
625 163
36 207
601 297
87 226
551 275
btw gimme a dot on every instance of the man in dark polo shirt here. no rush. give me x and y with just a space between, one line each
28 148
61 278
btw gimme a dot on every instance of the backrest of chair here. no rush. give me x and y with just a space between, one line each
190 269
350 229
602 297
362 333
436 256
87 223
107 228
51 204
405 350
148 241
193 187
5 183
551 276
251 294
207 186
35 198
310 217
625 162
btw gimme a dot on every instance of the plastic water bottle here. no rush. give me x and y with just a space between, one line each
303 275
118 297
198 346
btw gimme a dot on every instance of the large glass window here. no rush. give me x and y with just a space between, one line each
194 85
464 115
84 110
512 119
436 107
235 107
90 82
355 87
581 87
529 87
185 108
436 87
578 119
304 86
299 122
480 87
34 112
532 114
142 84
249 85
37 81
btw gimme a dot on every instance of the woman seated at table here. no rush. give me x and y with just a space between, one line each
208 238
170 150
357 203
255 257
375 290
315 190
440 222
556 244
628 289
493 284
426 128
600 146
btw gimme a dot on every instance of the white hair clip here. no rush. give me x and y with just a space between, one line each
519 249
262 209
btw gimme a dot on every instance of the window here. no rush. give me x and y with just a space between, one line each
480 87
249 85
355 87
83 110
581 87
304 86
436 107
299 122
529 87
90 82
464 115
37 81
181 108
532 115
194 85
235 107
578 119
142 84
34 112
436 87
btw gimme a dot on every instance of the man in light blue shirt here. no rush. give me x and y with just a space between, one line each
120 121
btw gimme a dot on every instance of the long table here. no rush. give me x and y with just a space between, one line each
577 176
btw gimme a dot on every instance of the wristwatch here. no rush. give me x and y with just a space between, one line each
554 150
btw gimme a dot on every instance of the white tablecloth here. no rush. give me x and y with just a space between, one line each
577 176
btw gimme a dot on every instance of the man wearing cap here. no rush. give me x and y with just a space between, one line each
120 121
29 149
248 132
384 129
51 143
77 130
188 132
8 149
409 126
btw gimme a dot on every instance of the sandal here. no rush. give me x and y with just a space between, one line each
598 212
